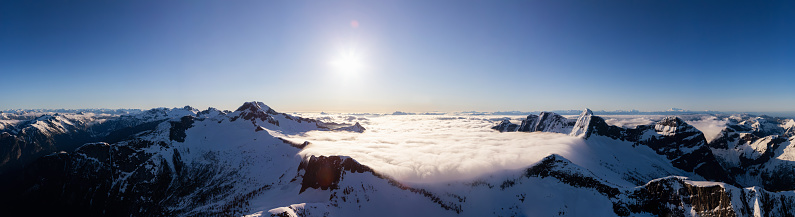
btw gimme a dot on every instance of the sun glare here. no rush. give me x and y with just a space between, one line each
348 62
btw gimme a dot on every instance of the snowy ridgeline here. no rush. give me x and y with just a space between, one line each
254 161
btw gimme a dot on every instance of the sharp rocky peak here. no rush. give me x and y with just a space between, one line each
255 106
673 124
672 121
586 112
580 128
354 128
257 110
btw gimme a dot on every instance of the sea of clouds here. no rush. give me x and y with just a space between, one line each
433 148
438 148
710 125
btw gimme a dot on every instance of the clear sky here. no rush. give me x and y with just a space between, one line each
382 56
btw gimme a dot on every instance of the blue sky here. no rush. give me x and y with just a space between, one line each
413 55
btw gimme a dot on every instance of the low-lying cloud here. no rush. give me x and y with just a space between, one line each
709 125
437 148
426 148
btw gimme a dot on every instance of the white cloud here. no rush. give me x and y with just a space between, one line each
631 121
430 148
709 125
439 148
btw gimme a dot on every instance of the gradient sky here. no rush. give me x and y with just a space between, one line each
416 55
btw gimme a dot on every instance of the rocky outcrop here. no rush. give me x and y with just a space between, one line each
581 127
677 196
353 128
682 144
177 131
257 110
506 126
83 182
22 143
325 172
754 150
528 124
669 196
544 122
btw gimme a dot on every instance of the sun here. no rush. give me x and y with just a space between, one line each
348 62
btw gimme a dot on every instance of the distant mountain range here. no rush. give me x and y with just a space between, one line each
672 111
186 162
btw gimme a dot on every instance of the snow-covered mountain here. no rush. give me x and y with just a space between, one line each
186 162
544 122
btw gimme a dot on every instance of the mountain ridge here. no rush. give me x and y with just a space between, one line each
189 162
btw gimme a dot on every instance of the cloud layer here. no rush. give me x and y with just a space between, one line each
436 148
431 148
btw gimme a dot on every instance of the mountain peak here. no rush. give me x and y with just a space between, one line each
354 128
507 126
254 106
674 125
586 112
672 121
581 127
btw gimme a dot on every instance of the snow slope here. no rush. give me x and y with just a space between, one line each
254 161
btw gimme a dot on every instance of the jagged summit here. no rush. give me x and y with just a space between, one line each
354 128
587 111
255 106
673 125
672 121
257 110
580 128
506 126
543 122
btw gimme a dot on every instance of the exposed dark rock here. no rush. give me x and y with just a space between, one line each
257 110
553 166
354 128
177 131
325 172
294 144
505 126
84 183
671 137
672 196
551 122
544 122
528 124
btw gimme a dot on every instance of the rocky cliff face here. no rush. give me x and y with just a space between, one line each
682 144
28 140
544 122
750 151
668 196
353 128
678 196
506 126
758 151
